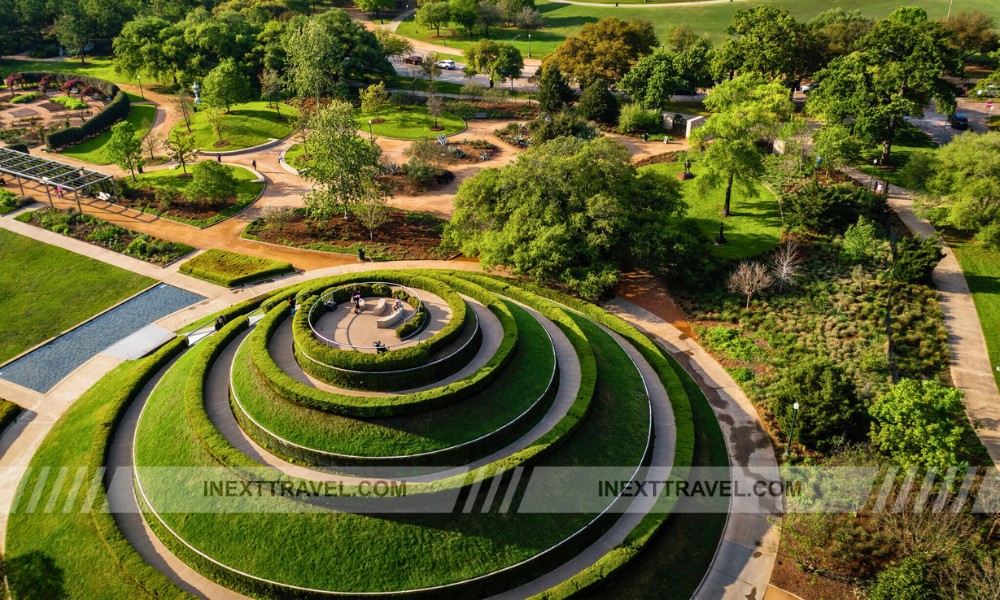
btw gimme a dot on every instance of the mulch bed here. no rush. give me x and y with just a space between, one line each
787 576
144 200
405 235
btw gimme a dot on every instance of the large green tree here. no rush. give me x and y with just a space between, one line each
554 93
921 424
769 42
895 72
973 32
211 181
375 6
837 32
653 80
605 50
746 111
434 15
496 60
125 147
572 211
225 85
344 166
139 49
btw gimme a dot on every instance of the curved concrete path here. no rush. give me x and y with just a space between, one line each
747 552
280 350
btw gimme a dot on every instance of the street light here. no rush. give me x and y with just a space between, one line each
141 92
529 45
871 181
791 431
371 130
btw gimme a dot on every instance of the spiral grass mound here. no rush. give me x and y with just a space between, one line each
422 471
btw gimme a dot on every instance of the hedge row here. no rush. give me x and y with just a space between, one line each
230 269
401 358
96 125
121 549
378 406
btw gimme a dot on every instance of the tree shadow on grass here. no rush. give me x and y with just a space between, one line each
35 576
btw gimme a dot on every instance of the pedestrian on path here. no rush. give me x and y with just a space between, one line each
218 157
253 163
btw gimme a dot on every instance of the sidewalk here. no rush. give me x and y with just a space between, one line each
971 370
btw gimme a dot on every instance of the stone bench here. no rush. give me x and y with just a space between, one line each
380 307
391 319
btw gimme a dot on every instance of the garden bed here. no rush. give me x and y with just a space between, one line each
107 235
162 193
231 269
406 235
9 202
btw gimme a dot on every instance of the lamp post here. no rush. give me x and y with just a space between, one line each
791 431
529 45
371 129
45 182
141 92
871 181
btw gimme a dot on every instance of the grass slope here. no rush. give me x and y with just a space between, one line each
754 227
8 413
409 123
246 125
45 290
982 272
231 269
94 151
102 68
528 373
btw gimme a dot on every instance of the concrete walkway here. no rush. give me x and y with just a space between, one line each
746 555
971 370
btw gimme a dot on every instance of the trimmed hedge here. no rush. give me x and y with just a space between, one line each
230 269
99 123
400 358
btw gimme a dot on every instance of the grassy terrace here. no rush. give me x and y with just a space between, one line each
248 189
981 266
528 373
48 290
409 123
434 548
93 151
231 269
754 227
246 125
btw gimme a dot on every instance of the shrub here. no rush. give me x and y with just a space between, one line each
829 409
24 98
921 424
211 181
231 269
989 236
916 258
862 241
636 119
832 209
10 201
421 173
918 170
70 102
597 103
564 124
905 581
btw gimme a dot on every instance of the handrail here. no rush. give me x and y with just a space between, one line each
329 293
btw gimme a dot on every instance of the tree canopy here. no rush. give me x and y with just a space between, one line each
896 70
225 85
571 211
125 147
496 60
768 42
553 90
605 50
920 423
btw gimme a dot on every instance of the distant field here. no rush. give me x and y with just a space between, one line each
709 19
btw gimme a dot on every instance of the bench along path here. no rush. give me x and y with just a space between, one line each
280 349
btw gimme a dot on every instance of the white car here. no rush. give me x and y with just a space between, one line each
447 64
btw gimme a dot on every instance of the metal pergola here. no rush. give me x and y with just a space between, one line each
47 172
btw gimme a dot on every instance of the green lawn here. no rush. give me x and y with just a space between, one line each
246 125
981 266
909 141
231 269
93 151
293 156
46 290
8 413
754 227
711 19
102 68
409 123
247 190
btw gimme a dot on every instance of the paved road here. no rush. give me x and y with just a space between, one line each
935 123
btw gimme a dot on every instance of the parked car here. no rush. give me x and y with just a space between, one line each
809 87
413 60
959 121
447 64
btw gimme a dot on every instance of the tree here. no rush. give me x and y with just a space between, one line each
597 103
653 80
896 71
964 178
920 423
553 90
225 85
529 19
916 259
749 279
344 165
693 62
465 13
836 145
435 106
786 264
74 31
185 106
372 209
139 49
374 98
509 10
837 32
973 32
271 86
434 15
829 409
497 60
211 181
151 142
375 6
393 46
487 15
125 148
430 68
180 148
746 111
216 120
570 211
606 49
